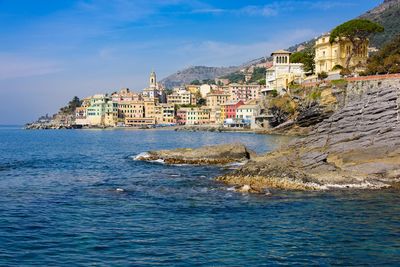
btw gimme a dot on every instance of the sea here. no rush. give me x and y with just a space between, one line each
78 198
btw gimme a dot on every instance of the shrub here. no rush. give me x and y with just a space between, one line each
322 75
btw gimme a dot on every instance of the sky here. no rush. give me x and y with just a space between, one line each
52 50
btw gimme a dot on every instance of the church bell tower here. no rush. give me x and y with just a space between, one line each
153 80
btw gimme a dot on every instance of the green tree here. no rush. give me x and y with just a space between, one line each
235 77
357 32
387 60
201 102
72 105
195 82
322 75
258 74
306 57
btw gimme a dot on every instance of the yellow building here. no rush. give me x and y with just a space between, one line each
217 98
111 114
329 55
197 116
194 89
164 113
130 110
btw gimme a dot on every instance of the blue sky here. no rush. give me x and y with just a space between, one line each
51 50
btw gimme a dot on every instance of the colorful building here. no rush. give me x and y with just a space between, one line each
216 98
244 92
181 116
228 110
180 97
328 55
165 114
96 111
197 116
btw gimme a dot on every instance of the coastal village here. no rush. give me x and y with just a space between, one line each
222 102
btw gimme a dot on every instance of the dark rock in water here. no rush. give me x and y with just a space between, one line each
218 154
358 146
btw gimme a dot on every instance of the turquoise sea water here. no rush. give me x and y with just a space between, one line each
59 206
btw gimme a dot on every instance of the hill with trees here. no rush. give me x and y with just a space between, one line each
386 14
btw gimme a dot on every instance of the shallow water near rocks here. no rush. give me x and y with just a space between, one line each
76 197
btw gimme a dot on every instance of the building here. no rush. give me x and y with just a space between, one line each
180 97
217 98
111 114
248 114
192 88
164 113
95 113
124 95
80 116
228 110
204 90
244 92
328 55
181 116
129 111
282 73
154 90
197 116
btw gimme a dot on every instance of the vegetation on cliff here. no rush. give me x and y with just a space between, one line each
387 60
70 108
386 14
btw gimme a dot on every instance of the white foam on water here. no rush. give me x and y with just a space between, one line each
119 190
141 156
236 164
161 161
363 185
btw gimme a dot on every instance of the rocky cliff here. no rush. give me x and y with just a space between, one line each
359 145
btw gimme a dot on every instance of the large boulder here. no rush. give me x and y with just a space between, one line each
218 154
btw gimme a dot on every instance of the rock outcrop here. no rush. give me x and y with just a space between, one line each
218 154
359 145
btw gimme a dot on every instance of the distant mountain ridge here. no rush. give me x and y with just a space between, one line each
387 14
200 73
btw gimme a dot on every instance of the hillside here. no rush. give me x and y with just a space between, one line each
387 14
195 73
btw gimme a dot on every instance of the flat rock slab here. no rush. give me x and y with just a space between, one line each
207 155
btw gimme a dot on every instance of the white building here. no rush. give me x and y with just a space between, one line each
154 90
204 90
248 113
282 72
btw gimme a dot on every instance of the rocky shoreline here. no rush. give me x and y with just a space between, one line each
358 146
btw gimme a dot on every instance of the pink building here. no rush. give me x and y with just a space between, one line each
181 116
229 109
